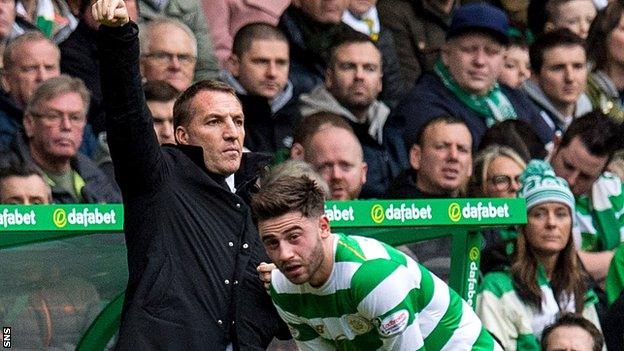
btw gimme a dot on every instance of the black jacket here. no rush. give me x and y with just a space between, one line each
192 246
97 188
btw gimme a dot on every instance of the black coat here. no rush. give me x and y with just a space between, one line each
192 246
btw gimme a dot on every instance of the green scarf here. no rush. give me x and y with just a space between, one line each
493 107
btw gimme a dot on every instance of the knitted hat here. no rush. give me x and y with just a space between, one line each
540 185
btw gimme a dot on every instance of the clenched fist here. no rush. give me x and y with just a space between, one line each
111 13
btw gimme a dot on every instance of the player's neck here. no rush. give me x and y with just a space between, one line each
324 271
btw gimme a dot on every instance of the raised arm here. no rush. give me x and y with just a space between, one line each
134 147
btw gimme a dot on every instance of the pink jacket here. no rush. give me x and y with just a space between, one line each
226 17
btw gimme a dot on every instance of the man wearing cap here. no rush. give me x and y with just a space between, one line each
463 83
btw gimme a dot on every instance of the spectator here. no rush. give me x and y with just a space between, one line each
328 143
160 97
548 15
168 52
79 58
28 60
572 332
192 247
559 66
419 28
351 90
258 71
580 157
23 185
464 83
7 19
54 121
323 277
191 14
604 43
441 162
496 172
226 17
312 27
516 66
545 277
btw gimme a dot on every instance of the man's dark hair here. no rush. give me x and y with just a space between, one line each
416 136
252 32
288 194
557 38
310 125
160 90
182 110
345 38
573 320
516 134
15 168
598 133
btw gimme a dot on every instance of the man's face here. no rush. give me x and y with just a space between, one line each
564 74
444 160
162 113
34 62
324 11
7 17
263 69
474 60
55 132
295 244
569 338
577 166
355 77
337 156
30 190
576 15
216 126
170 57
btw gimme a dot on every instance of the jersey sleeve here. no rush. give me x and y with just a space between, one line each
382 291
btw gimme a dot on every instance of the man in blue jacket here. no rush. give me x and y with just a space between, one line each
463 83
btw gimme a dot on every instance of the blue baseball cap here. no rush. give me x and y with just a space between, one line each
480 17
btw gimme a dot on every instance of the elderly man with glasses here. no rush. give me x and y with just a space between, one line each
168 52
54 122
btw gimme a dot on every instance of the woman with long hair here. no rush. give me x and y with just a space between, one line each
545 278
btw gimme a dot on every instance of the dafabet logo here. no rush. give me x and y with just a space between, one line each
402 212
478 211
84 218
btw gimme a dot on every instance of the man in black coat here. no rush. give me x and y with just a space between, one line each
192 246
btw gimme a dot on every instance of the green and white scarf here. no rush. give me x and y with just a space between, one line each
493 107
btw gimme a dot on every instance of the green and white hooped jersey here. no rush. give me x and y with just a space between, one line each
600 217
377 298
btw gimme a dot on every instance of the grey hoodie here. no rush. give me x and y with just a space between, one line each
321 100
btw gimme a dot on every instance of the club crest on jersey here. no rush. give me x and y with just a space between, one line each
392 324
293 331
358 324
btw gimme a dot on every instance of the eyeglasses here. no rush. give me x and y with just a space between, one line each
162 57
503 182
55 118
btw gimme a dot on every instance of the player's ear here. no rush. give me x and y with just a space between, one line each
324 226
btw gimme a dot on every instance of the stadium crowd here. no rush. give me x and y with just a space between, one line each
178 108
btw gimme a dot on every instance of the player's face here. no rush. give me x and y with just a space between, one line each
295 244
